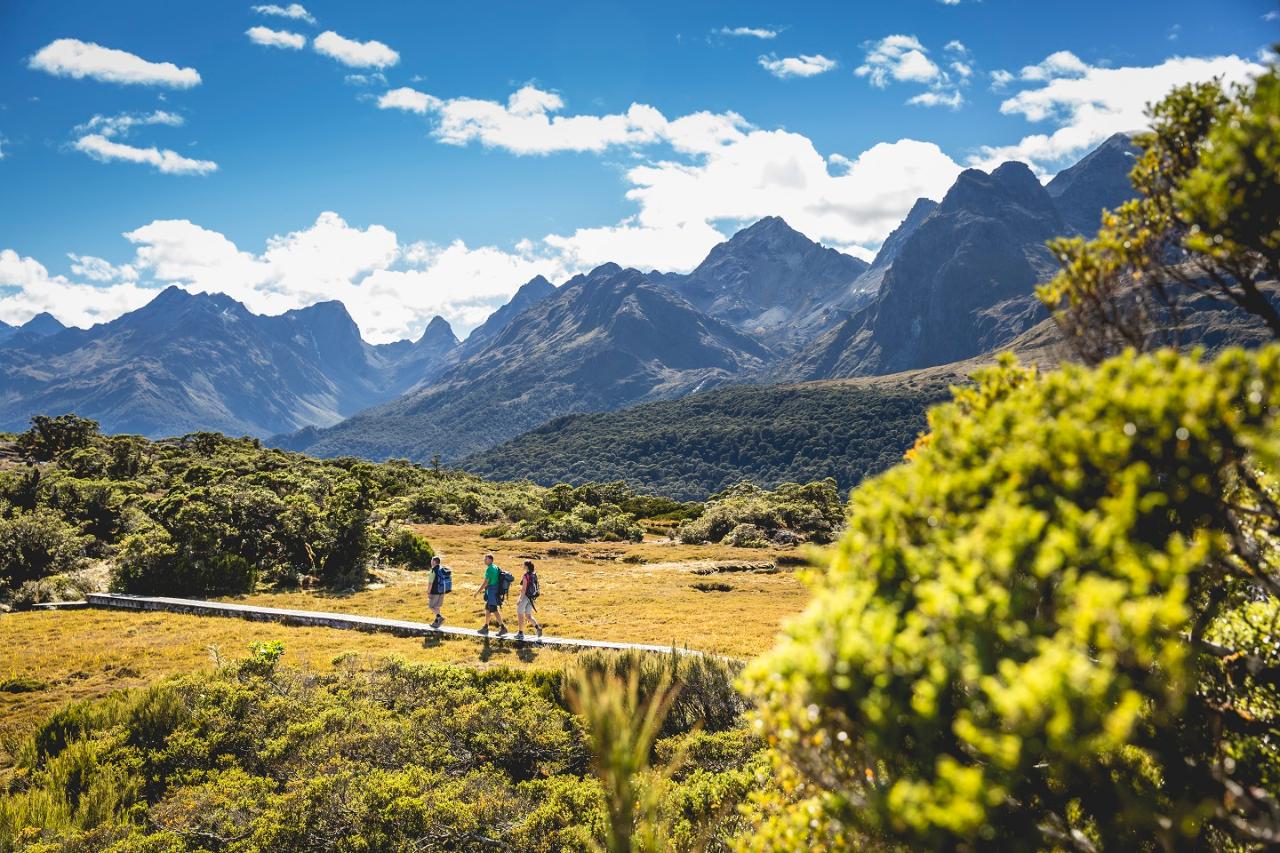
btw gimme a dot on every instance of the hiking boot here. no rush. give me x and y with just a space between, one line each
539 630
437 622
502 630
519 636
484 632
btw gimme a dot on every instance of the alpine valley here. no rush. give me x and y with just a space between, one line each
530 392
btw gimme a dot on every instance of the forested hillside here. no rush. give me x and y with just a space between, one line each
692 447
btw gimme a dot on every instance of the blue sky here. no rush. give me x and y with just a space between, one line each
413 159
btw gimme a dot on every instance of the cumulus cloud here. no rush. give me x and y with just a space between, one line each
903 59
752 32
294 10
357 54
99 269
391 289
525 124
1087 103
848 203
1062 63
276 38
168 162
897 57
949 98
79 59
1000 79
27 289
724 173
121 124
796 66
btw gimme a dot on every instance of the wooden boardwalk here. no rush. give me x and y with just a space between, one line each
346 621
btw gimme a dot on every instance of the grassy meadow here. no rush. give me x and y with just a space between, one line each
646 592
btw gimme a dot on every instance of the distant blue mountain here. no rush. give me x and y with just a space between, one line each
186 362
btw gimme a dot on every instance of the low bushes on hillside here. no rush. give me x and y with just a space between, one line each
748 516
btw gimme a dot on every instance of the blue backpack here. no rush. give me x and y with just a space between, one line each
505 579
443 580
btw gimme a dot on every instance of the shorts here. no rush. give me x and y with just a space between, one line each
435 600
524 607
491 608
491 598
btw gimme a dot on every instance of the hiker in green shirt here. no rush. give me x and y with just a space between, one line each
491 586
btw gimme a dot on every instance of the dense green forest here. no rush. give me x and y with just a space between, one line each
206 514
699 445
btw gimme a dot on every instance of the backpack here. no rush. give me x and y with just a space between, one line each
531 591
443 580
505 580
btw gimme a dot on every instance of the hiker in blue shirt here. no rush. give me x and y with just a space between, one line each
491 586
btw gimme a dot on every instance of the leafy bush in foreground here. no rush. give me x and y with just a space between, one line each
258 757
1054 627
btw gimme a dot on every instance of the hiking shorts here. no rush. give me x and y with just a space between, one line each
524 607
491 598
435 600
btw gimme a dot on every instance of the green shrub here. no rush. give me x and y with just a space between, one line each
36 544
1049 628
407 548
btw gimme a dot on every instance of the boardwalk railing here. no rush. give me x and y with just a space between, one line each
347 621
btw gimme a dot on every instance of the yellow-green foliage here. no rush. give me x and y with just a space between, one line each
259 757
1206 220
1053 627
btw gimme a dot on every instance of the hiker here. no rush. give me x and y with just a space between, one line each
492 587
529 591
441 585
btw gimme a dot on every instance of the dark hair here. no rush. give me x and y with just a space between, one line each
528 564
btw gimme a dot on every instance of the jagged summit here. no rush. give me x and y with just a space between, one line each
1099 181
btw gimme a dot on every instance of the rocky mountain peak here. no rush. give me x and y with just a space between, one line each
438 330
43 325
1100 180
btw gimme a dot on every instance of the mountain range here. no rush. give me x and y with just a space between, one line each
956 279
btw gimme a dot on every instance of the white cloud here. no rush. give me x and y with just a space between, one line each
27 289
758 174
120 125
796 66
276 38
377 78
357 54
408 99
523 125
897 57
293 10
98 269
753 32
392 290
951 99
1273 15
1062 63
78 59
1000 79
903 59
1089 103
724 171
169 162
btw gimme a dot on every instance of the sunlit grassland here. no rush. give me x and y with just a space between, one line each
594 590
